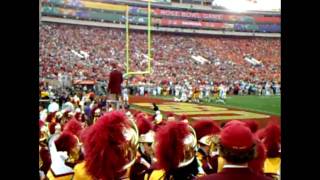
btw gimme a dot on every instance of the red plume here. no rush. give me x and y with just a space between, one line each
102 144
253 125
170 114
229 123
260 133
66 142
143 124
73 126
170 148
183 117
205 127
139 115
136 113
272 140
150 118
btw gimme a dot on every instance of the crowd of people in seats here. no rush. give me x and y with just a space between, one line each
82 139
86 53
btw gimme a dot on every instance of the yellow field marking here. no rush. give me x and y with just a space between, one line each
194 109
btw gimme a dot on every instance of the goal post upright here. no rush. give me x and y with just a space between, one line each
127 39
149 56
149 36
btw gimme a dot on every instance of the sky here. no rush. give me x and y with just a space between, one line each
242 5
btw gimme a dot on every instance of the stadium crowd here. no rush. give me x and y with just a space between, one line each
81 137
61 45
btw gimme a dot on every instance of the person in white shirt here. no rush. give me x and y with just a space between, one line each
159 89
125 95
154 91
259 90
184 97
149 89
267 89
207 91
201 94
277 87
177 90
43 114
141 90
53 106
190 92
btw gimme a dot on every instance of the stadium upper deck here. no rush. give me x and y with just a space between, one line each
165 17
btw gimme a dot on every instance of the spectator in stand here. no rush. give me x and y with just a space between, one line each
171 54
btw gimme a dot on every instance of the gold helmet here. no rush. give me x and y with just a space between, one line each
207 133
176 145
190 147
131 147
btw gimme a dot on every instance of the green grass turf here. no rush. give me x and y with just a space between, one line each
264 104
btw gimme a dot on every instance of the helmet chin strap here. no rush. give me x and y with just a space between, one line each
186 163
129 164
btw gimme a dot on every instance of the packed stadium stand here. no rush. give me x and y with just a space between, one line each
200 51
171 52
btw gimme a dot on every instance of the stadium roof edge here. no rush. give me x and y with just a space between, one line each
160 29
189 7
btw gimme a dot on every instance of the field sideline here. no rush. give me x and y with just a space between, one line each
264 104
259 108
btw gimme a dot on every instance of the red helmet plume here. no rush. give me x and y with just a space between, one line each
73 126
205 127
106 145
143 124
170 144
66 142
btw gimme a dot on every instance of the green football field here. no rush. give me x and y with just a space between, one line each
264 104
